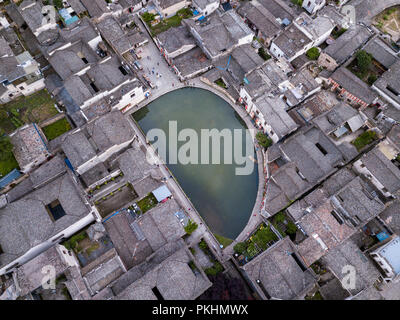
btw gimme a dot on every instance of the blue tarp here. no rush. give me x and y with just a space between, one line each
6 180
382 236
195 12
201 18
162 193
67 17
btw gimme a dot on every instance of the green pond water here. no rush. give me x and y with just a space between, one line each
224 200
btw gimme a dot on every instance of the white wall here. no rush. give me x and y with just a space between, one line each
34 252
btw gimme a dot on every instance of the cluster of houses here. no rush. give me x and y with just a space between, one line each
332 170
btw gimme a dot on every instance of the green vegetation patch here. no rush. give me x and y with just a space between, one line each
259 241
7 159
222 240
221 83
313 53
56 129
165 24
73 242
190 227
263 140
214 270
364 139
37 108
147 202
337 33
263 54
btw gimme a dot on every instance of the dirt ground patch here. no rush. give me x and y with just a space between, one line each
388 21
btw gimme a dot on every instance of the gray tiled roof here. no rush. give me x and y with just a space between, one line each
96 8
96 137
292 40
29 276
356 202
335 118
353 84
264 20
133 163
26 223
173 278
381 52
160 225
391 79
175 38
273 110
382 169
349 254
345 46
279 273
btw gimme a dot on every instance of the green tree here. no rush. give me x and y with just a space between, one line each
3 114
263 140
263 54
291 228
240 247
313 53
371 79
147 17
190 227
364 60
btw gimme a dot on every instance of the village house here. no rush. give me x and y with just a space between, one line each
312 6
87 76
326 220
351 88
168 8
344 47
377 168
94 143
388 85
220 34
298 164
119 38
300 86
37 18
261 21
348 253
19 72
301 36
204 8
280 273
270 115
340 121
387 257
271 79
39 212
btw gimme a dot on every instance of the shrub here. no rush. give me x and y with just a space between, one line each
190 227
263 54
291 228
203 245
240 247
313 53
371 79
263 140
214 270
148 17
